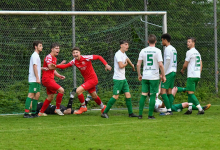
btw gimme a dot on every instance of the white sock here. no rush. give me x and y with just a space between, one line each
190 106
169 109
101 105
199 107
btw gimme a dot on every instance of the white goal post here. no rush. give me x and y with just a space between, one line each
73 13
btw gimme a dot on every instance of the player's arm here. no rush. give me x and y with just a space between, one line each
58 75
139 69
36 73
184 66
162 71
63 66
201 66
130 63
107 67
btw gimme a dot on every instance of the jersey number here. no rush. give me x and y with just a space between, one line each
197 61
149 59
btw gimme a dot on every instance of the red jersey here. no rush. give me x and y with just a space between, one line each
49 74
85 65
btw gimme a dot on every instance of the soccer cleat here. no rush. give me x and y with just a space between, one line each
57 111
201 112
80 111
103 109
140 117
151 117
206 106
133 115
41 114
27 116
104 115
166 113
34 115
188 112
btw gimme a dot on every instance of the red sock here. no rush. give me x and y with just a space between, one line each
45 105
59 100
98 100
81 99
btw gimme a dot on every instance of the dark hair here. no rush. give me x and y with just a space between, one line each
35 43
192 38
152 38
123 42
76 48
53 45
166 36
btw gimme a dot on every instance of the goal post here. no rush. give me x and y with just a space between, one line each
97 32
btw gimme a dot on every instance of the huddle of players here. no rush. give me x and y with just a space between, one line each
152 62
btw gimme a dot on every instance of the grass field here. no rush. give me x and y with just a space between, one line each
91 132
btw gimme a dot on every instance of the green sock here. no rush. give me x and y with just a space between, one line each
27 105
109 105
129 105
166 101
152 104
194 107
34 106
194 100
180 89
171 99
141 104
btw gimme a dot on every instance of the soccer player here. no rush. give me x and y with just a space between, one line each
48 81
160 107
121 60
152 60
170 67
84 64
193 63
34 80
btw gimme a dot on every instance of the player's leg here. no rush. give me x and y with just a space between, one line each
153 90
171 86
27 105
97 99
59 100
117 87
46 103
81 98
145 90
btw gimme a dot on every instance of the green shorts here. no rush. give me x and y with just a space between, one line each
151 86
34 87
177 107
191 84
120 87
170 81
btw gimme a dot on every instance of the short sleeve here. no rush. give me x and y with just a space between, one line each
49 59
72 62
159 56
118 57
35 59
140 56
188 55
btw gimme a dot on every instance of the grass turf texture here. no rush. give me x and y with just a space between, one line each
91 132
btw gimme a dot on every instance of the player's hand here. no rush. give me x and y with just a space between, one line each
140 77
126 63
133 68
53 66
38 80
62 77
44 68
182 71
63 62
107 67
163 79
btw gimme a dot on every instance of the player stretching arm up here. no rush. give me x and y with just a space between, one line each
84 64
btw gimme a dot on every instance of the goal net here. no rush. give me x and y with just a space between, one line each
94 34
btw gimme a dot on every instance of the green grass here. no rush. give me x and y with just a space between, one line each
91 132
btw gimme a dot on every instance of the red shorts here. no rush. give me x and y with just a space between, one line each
89 85
51 86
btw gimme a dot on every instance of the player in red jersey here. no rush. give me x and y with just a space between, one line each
48 81
84 64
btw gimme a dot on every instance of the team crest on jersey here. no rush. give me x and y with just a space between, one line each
83 62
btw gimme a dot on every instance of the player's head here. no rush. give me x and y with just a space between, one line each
76 53
152 39
124 44
55 49
38 45
166 38
191 41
